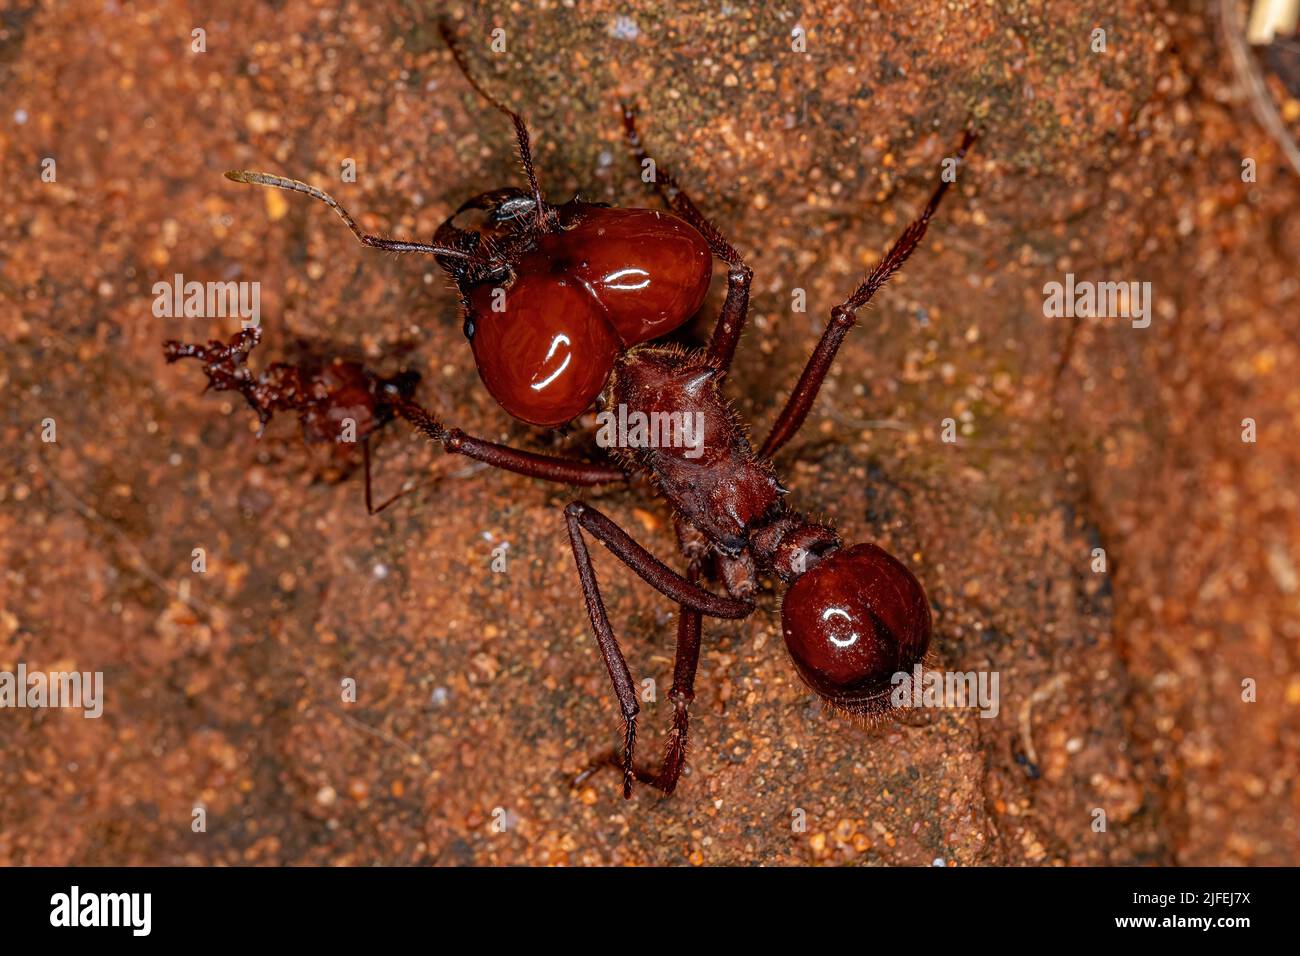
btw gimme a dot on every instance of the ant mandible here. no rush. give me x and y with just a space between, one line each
561 303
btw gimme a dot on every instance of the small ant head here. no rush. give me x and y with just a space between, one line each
399 387
851 622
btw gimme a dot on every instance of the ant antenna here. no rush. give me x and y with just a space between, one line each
379 242
521 130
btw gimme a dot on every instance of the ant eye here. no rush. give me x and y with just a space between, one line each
513 208
545 351
853 621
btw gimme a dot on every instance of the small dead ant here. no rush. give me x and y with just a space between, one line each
561 303
338 401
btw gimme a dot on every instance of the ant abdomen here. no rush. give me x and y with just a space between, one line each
852 622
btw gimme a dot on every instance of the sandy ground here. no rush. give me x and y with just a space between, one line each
480 694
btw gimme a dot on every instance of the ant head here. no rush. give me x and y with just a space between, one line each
542 345
490 229
547 328
400 386
851 622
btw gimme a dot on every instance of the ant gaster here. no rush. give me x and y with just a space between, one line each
560 304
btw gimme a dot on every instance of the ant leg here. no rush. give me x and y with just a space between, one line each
370 508
689 596
365 455
676 198
845 316
226 368
686 661
378 242
580 517
545 215
731 321
530 464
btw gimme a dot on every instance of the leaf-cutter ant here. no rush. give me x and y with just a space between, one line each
561 306
338 401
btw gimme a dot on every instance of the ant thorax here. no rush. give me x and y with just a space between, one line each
711 476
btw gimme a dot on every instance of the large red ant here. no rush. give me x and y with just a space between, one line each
561 303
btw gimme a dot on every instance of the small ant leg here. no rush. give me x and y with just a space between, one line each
545 215
378 242
370 508
530 464
365 457
690 597
845 316
226 368
731 320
